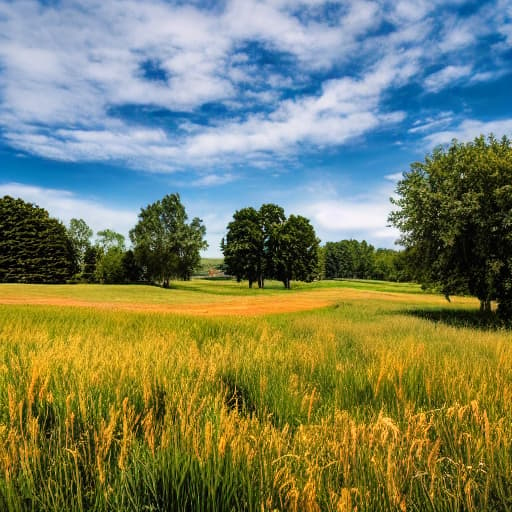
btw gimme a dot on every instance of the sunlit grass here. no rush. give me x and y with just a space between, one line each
364 404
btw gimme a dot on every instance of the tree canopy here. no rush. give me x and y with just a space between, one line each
243 246
110 253
263 244
164 243
80 235
296 252
34 247
454 211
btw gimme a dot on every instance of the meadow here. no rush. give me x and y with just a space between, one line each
333 396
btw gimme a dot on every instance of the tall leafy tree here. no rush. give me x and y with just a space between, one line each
110 251
34 247
243 246
296 254
251 242
109 239
262 244
271 218
164 243
454 211
80 235
191 245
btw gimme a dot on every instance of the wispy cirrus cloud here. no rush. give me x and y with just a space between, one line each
447 76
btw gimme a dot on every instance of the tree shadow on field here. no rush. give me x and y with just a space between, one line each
472 318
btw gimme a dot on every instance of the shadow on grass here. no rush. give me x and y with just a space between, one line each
460 318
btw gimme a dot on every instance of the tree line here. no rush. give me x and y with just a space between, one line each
454 212
36 248
353 259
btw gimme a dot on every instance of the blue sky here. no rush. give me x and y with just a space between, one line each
317 106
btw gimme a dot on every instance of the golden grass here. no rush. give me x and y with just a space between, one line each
184 302
361 405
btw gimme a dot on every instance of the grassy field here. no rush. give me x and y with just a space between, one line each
356 396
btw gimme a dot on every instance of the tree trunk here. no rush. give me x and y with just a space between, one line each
485 306
250 283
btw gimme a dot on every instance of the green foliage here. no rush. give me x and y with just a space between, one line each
263 244
455 215
165 245
349 258
359 260
110 266
110 250
91 258
296 251
132 271
109 239
34 248
80 235
243 246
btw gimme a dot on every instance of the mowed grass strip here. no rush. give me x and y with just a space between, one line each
365 404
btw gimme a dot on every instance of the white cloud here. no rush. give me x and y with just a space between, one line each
338 216
468 129
446 77
66 205
394 177
429 124
62 88
210 180
487 76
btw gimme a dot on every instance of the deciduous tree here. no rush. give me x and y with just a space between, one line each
454 211
80 235
296 252
164 243
262 244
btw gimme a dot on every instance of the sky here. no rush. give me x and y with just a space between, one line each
105 107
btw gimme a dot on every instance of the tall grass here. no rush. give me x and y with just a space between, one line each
359 406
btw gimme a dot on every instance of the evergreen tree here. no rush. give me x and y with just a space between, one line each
132 271
34 248
91 258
